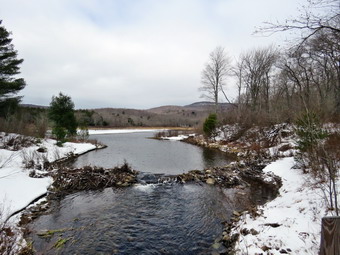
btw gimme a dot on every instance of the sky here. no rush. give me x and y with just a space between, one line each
132 53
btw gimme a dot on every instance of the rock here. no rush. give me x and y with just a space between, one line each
216 246
210 181
273 225
283 251
237 214
254 232
265 248
42 150
245 231
226 238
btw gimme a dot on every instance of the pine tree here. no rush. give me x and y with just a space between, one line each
10 85
61 112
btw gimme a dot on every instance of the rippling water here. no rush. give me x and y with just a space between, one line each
144 219
150 217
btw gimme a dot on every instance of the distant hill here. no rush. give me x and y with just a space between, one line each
169 115
34 106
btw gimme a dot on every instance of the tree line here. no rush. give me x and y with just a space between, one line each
275 84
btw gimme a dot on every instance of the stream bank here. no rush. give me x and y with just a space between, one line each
237 175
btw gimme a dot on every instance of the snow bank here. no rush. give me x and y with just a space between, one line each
17 189
177 138
291 222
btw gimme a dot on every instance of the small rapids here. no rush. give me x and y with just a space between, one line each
157 216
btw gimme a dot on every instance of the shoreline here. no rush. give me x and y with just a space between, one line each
248 229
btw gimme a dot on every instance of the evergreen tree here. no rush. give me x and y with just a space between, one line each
210 124
61 112
10 85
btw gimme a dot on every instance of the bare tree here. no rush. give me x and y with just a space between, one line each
316 16
319 27
255 73
214 75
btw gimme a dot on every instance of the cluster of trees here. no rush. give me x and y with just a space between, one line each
276 84
300 83
10 85
61 110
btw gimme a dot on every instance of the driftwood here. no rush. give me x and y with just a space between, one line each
330 236
91 178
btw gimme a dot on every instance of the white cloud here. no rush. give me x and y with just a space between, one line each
119 53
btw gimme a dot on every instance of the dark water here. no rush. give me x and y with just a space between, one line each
144 219
150 217
150 155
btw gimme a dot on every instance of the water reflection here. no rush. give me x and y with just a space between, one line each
150 155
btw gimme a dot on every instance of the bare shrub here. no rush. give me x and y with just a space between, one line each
7 235
5 161
15 142
29 158
320 154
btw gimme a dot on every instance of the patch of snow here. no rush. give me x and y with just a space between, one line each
297 211
177 138
17 189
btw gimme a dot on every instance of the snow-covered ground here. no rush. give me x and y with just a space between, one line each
290 223
296 214
17 189
177 138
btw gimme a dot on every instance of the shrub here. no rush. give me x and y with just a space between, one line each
210 125
320 153
309 132
83 134
61 112
60 133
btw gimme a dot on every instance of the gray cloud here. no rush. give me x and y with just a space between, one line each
141 54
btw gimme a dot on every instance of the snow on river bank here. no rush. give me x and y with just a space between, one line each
291 223
17 189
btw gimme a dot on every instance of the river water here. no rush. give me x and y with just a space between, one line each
151 155
151 217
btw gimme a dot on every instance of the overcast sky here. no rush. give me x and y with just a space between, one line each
131 53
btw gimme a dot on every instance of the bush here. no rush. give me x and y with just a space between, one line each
320 153
309 132
61 112
60 133
83 134
210 125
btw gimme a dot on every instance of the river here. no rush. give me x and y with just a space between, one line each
152 217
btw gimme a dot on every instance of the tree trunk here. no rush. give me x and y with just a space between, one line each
330 236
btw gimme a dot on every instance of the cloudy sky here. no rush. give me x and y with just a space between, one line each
131 53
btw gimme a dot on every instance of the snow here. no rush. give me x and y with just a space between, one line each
121 131
177 138
298 210
17 189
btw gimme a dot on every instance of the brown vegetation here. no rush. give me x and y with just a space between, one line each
92 178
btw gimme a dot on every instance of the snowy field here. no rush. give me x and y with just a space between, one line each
17 189
290 223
